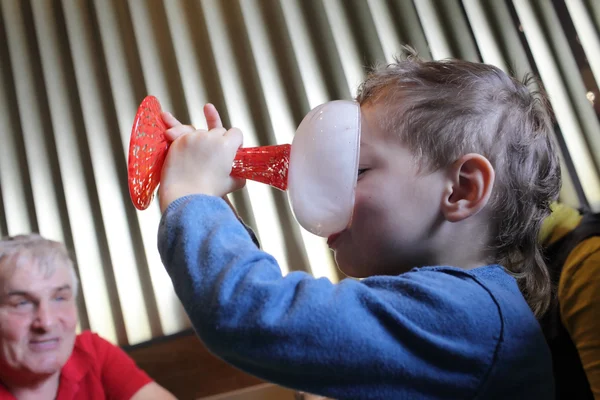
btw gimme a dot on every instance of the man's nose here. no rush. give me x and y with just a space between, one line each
43 318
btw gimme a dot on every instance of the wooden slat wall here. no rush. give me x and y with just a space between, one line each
74 71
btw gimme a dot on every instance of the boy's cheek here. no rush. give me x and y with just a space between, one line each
363 193
364 200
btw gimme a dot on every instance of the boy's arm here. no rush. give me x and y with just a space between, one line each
248 229
579 299
369 338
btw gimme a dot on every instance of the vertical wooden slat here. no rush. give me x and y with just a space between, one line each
409 26
323 41
105 157
487 41
32 111
573 81
16 213
230 78
386 26
188 61
347 50
123 64
593 7
458 29
127 87
432 26
282 121
559 96
506 35
587 33
446 29
74 166
161 78
499 44
306 55
361 23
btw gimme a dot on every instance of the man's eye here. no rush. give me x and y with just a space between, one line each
22 303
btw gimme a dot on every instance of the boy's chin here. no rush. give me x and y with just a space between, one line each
352 270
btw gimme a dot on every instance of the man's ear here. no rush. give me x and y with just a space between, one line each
469 187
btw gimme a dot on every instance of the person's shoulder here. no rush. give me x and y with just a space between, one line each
107 365
503 290
586 248
480 311
450 299
580 269
463 285
486 294
85 356
582 262
520 329
92 344
88 338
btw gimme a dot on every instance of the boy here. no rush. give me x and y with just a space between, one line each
457 170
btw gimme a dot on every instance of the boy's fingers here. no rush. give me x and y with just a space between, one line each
234 138
178 131
170 120
213 119
175 128
237 184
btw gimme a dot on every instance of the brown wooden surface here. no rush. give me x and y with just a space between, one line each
183 365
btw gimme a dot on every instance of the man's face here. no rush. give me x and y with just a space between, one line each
38 318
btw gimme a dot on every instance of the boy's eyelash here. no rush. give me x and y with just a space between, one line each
361 171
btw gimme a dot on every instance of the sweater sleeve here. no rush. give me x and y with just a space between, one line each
377 338
579 298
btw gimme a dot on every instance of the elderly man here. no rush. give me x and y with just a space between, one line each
41 357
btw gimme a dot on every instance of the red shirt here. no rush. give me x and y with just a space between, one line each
97 370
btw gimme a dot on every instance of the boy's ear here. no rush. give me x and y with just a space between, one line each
469 187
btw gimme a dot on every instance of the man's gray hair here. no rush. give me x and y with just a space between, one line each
48 254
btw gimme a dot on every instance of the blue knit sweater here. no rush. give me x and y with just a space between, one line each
431 333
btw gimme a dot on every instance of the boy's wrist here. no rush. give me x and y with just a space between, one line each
165 199
170 194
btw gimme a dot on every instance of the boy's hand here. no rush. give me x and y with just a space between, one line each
199 161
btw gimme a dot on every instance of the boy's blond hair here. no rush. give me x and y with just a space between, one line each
443 110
